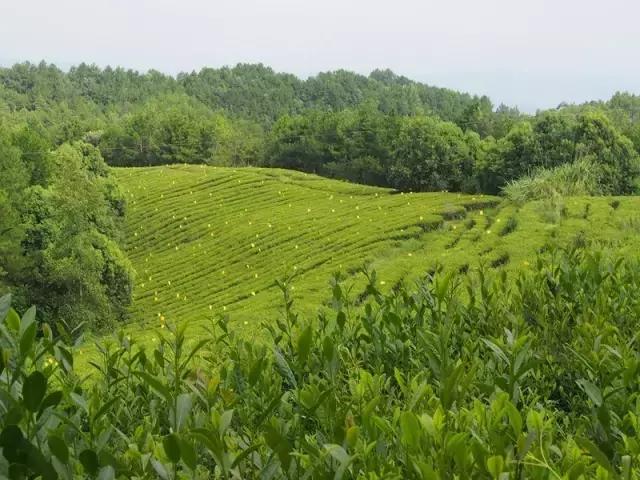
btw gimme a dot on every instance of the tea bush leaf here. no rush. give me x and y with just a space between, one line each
80 401
225 421
34 389
171 444
89 461
410 428
155 385
106 473
13 320
59 448
184 403
595 452
593 392
188 453
27 338
283 368
5 306
304 344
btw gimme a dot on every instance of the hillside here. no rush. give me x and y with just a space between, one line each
208 240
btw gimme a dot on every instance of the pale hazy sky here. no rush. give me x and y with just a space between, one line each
533 53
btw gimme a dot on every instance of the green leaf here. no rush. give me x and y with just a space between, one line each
18 471
188 454
337 292
279 444
184 403
80 401
50 400
33 391
495 465
65 357
284 369
496 349
256 370
577 471
304 344
157 355
105 408
11 436
28 319
225 421
410 429
592 391
352 436
89 461
209 439
156 386
26 339
337 452
595 452
107 473
59 448
195 349
13 320
171 444
160 470
38 463
343 458
514 418
5 306
245 453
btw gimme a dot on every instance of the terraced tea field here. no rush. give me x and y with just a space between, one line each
207 240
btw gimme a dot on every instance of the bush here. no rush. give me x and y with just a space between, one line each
474 376
573 179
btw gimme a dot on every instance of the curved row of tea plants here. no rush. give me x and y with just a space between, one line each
488 375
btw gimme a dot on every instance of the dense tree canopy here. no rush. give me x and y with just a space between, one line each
60 230
381 129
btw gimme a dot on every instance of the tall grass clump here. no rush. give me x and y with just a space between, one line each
580 178
488 375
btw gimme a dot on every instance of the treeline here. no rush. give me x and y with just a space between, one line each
422 153
380 129
246 91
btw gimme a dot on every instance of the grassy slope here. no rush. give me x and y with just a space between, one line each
207 240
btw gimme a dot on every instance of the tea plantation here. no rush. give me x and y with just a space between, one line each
212 240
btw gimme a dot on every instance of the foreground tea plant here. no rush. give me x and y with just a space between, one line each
484 375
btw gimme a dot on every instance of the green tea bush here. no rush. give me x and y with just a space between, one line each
484 375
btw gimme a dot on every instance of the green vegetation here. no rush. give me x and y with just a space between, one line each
207 240
61 216
581 178
382 129
64 252
487 375
463 335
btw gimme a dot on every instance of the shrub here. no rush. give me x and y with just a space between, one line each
482 375
575 179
